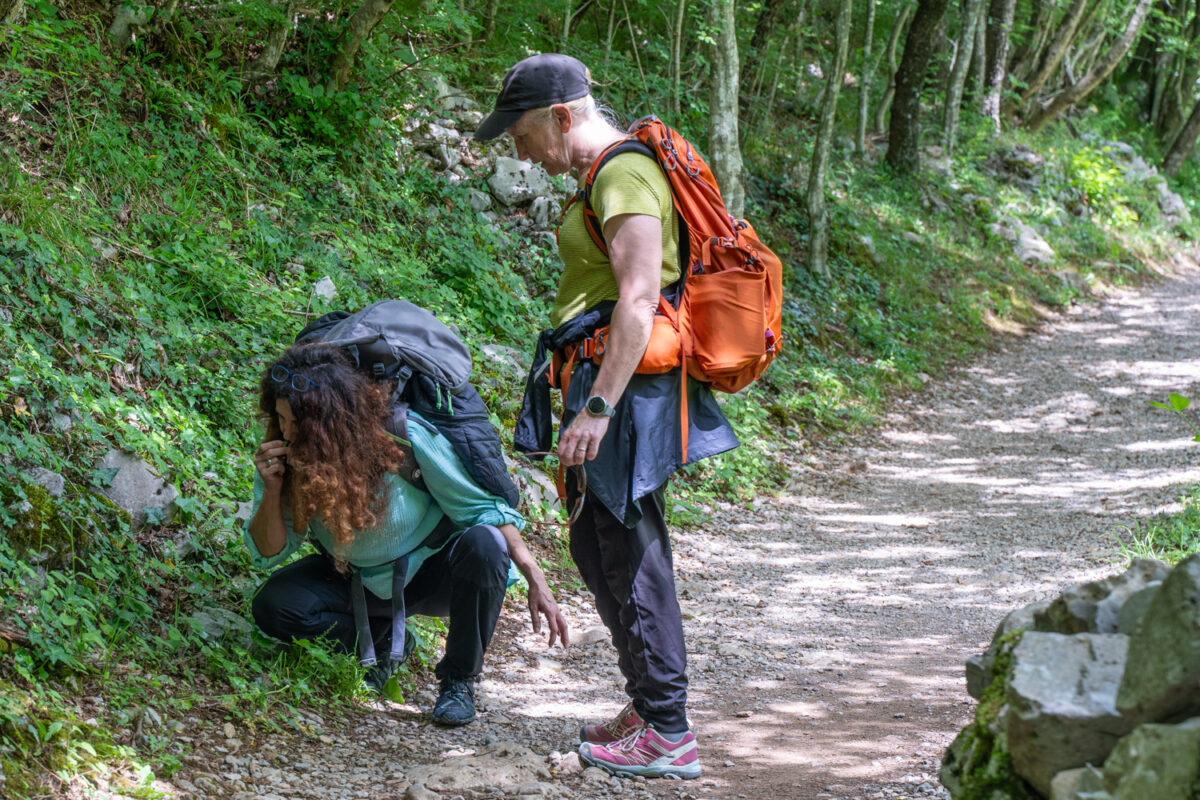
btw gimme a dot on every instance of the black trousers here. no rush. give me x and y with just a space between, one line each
630 571
465 581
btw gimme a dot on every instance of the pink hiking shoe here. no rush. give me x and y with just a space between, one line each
646 753
616 729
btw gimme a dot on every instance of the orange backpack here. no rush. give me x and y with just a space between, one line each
727 327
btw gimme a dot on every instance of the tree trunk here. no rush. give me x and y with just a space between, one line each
1064 37
1168 99
723 108
755 64
489 20
12 12
800 55
1096 75
1185 142
885 102
864 81
566 27
633 44
758 108
977 79
612 32
818 215
1084 56
361 23
904 134
1032 38
958 75
262 68
775 75
1189 76
677 58
999 24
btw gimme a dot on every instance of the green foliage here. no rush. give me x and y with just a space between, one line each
1170 538
1178 404
1100 184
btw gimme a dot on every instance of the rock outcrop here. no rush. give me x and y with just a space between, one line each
1094 695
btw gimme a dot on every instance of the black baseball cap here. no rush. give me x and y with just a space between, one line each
535 82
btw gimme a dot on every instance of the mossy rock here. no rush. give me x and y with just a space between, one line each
977 766
52 531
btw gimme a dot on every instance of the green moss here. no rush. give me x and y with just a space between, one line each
978 765
53 531
39 527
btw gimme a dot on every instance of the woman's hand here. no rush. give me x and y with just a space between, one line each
270 460
541 603
541 599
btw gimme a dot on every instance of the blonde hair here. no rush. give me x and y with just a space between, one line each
582 108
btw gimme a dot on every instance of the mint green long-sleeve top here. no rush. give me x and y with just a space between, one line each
410 517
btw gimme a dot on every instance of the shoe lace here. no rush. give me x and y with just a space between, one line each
458 688
630 742
621 721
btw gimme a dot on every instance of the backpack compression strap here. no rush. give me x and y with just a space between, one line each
358 597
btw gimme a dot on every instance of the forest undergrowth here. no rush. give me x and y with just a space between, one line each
161 234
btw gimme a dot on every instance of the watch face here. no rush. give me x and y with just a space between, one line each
596 405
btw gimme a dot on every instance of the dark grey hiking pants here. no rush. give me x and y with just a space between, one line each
630 572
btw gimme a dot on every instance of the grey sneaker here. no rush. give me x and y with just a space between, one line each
456 704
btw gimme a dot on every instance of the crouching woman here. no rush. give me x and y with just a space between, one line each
390 547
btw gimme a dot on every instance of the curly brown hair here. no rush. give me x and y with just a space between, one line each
341 452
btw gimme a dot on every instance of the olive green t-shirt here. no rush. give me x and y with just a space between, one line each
630 183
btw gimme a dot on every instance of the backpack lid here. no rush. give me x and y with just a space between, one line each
396 331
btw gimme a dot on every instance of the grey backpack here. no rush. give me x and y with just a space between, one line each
430 370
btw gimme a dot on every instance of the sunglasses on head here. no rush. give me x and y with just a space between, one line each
301 383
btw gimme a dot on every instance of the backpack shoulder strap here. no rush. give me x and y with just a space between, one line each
630 144
397 426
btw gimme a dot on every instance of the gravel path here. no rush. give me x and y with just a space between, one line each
828 628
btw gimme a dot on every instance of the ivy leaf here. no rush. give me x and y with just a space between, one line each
103 478
1178 402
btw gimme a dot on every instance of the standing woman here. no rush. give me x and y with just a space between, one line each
624 426
328 472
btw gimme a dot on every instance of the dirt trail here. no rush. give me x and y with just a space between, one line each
882 571
827 630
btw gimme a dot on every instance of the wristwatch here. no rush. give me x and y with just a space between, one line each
597 406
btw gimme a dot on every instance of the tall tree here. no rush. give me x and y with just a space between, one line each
1094 76
818 214
489 19
977 78
958 75
904 134
1032 37
362 23
263 67
864 80
898 29
1185 142
677 57
723 108
565 34
754 61
1064 36
999 24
